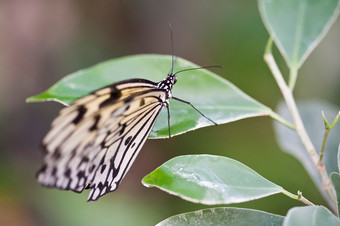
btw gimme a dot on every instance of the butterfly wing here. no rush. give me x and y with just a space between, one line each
93 142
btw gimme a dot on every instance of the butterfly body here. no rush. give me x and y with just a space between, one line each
93 142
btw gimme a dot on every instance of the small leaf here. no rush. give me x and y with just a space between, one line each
311 216
335 177
325 120
210 180
335 120
217 98
224 216
291 143
297 26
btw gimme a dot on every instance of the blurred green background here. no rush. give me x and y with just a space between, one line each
41 41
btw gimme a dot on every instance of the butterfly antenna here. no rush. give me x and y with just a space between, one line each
197 68
172 50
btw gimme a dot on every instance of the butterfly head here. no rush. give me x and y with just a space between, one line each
168 82
172 78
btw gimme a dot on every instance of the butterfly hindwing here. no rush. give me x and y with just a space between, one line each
93 142
121 152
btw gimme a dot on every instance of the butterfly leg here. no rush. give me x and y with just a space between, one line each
167 107
187 102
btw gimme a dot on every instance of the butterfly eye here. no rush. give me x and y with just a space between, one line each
175 79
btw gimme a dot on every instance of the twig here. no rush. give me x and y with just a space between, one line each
300 129
304 200
292 78
325 135
298 197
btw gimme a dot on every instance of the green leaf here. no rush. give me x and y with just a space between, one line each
335 120
311 216
224 216
217 98
210 180
289 141
297 26
335 177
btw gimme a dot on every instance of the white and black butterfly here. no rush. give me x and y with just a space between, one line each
93 142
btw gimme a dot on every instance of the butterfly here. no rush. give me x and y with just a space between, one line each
93 142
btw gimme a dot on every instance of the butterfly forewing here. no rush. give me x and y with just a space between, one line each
120 153
93 142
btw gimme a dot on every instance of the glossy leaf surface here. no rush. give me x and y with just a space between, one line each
210 180
311 216
297 26
217 98
224 216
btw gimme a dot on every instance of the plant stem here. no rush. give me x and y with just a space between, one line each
325 135
292 78
298 197
300 129
268 49
304 200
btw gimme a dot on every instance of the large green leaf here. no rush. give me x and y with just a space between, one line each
335 177
217 98
224 216
311 216
210 180
289 141
297 26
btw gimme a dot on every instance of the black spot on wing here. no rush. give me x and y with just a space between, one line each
80 174
56 155
67 173
103 168
141 102
81 112
54 171
73 153
123 127
100 186
92 168
114 95
102 160
85 160
96 120
127 141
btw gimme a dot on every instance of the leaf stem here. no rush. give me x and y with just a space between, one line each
278 118
292 78
325 135
298 197
300 129
268 49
